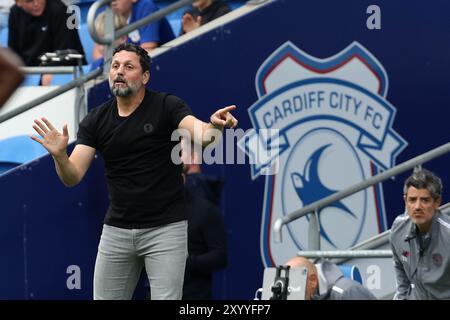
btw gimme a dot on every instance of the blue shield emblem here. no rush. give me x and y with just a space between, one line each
320 126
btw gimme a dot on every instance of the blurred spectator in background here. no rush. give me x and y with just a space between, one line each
202 12
207 187
40 26
149 36
97 54
5 5
207 245
329 283
10 75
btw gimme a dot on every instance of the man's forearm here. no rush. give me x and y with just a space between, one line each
66 170
201 133
210 133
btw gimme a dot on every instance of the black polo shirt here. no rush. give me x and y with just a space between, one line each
145 186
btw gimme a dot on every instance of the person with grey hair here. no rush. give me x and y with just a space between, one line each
420 239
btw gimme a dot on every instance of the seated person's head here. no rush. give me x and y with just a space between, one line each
202 4
32 7
312 281
123 7
119 22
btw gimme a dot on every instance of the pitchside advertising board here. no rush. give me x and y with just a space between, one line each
326 102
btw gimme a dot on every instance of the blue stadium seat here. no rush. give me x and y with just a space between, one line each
4 37
60 79
17 150
86 41
176 26
31 80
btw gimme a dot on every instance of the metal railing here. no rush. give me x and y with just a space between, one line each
49 70
347 254
366 249
111 34
363 249
78 82
80 78
314 235
108 40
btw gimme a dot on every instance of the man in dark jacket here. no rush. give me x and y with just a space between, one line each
207 250
207 243
40 26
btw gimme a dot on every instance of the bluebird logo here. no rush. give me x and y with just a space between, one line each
310 188
334 129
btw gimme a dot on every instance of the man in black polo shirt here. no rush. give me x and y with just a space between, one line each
146 219
40 26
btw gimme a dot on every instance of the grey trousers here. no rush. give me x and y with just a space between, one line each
122 253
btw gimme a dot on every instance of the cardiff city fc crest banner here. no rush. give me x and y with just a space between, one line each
319 127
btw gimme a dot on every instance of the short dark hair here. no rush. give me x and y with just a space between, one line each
144 58
424 179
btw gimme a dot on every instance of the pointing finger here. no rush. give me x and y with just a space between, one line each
227 109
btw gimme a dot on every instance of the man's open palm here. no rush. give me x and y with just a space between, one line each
52 140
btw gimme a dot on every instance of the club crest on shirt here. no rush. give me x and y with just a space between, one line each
148 128
334 129
437 259
134 36
405 256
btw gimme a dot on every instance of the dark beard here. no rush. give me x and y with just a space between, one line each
121 92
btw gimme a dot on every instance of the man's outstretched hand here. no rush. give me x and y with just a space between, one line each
52 140
222 118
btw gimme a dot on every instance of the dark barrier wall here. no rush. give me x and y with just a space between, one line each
49 233
409 56
349 101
